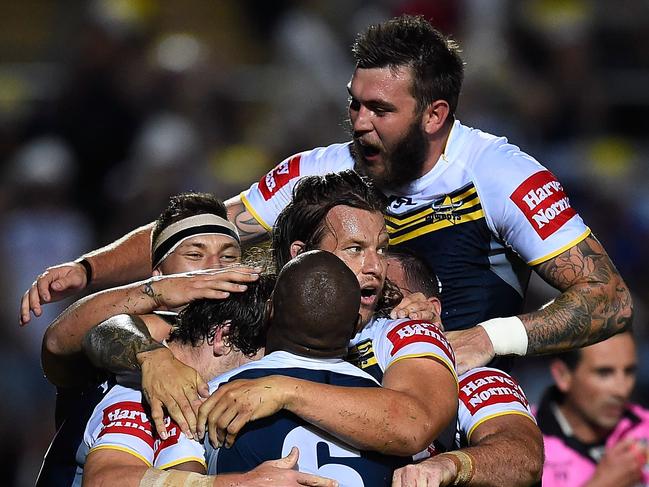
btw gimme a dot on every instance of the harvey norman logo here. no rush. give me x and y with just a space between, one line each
129 418
419 331
543 202
276 179
489 387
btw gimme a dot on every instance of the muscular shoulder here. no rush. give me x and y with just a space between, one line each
266 198
321 160
394 340
486 393
496 166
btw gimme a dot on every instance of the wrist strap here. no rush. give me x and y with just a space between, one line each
508 335
87 267
464 465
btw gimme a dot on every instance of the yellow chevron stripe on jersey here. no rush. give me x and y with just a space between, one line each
433 227
467 193
362 355
416 217
421 217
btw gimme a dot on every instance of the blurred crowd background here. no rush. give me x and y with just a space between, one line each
107 107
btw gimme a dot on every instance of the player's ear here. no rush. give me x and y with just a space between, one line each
437 309
220 345
297 248
561 374
435 116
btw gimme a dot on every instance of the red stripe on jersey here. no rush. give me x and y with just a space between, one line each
418 331
487 387
174 434
129 418
272 182
543 202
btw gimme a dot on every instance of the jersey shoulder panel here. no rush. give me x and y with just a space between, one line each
266 198
395 340
524 203
121 422
487 393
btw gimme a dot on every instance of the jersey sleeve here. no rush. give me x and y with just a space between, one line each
266 198
487 393
526 205
406 338
125 426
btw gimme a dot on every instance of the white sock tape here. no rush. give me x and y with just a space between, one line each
508 335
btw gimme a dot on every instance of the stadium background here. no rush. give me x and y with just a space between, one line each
109 106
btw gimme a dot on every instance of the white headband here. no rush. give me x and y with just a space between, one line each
176 233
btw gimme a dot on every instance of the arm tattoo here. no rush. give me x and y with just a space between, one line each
149 291
249 228
114 344
594 304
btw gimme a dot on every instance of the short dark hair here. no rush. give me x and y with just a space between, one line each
438 69
420 277
570 358
243 311
185 205
313 196
315 306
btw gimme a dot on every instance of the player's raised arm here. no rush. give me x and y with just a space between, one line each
595 302
126 260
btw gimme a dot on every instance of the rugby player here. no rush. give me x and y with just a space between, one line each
191 234
496 432
312 289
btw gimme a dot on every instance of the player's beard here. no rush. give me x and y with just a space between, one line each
402 164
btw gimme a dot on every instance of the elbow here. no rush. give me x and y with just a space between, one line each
417 435
101 477
624 317
531 450
51 342
405 445
535 468
620 316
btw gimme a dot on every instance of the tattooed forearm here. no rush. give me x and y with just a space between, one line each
114 344
249 228
594 305
149 291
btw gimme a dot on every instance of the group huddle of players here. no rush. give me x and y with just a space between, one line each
358 364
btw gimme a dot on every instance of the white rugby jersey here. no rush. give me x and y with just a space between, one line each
483 216
119 422
384 342
487 393
484 392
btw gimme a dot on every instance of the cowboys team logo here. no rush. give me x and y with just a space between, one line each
445 208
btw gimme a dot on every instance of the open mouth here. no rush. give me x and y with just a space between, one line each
367 150
368 295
